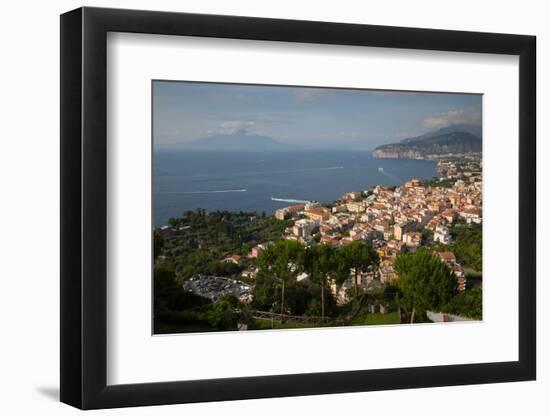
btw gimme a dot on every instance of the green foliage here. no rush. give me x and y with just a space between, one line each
320 262
285 261
436 182
176 308
302 298
313 308
266 291
364 318
246 248
276 285
467 304
357 256
222 317
158 244
203 261
427 236
467 245
425 282
169 295
202 240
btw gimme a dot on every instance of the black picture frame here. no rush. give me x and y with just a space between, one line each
84 207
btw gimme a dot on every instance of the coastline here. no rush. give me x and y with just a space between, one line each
267 178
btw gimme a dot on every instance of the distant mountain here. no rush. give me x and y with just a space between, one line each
473 129
441 142
239 141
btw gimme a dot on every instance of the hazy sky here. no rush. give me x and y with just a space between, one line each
186 111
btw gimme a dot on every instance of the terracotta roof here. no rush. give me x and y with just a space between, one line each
320 211
447 256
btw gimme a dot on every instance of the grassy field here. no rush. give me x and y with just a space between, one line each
367 319
362 319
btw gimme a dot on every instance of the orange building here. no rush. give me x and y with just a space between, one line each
318 213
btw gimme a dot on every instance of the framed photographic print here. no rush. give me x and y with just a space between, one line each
258 208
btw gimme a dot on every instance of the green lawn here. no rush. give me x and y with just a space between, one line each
368 319
362 319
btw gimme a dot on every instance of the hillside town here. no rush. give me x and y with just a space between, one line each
390 221
393 219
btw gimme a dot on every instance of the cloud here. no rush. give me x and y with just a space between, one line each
454 117
234 126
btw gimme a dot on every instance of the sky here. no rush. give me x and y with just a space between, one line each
306 116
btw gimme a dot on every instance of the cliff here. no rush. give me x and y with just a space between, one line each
427 146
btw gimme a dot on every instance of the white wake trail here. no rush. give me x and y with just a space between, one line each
289 200
389 175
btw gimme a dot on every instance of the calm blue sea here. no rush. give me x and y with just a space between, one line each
186 180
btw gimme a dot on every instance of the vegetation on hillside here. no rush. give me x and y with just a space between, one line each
466 244
200 242
466 304
425 283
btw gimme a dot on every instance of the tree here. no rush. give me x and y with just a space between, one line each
221 316
467 303
169 295
425 282
246 247
265 291
467 245
284 259
320 262
359 257
299 296
158 244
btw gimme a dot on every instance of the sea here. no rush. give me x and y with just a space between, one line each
266 181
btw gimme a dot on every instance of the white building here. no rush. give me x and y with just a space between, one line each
303 227
441 234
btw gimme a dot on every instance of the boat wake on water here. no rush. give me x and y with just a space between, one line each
290 200
389 175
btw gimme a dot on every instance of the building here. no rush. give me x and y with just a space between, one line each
449 215
356 206
318 213
449 259
412 239
312 204
255 251
415 182
286 212
471 215
339 209
353 195
400 228
442 235
281 214
250 273
386 272
235 259
303 227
